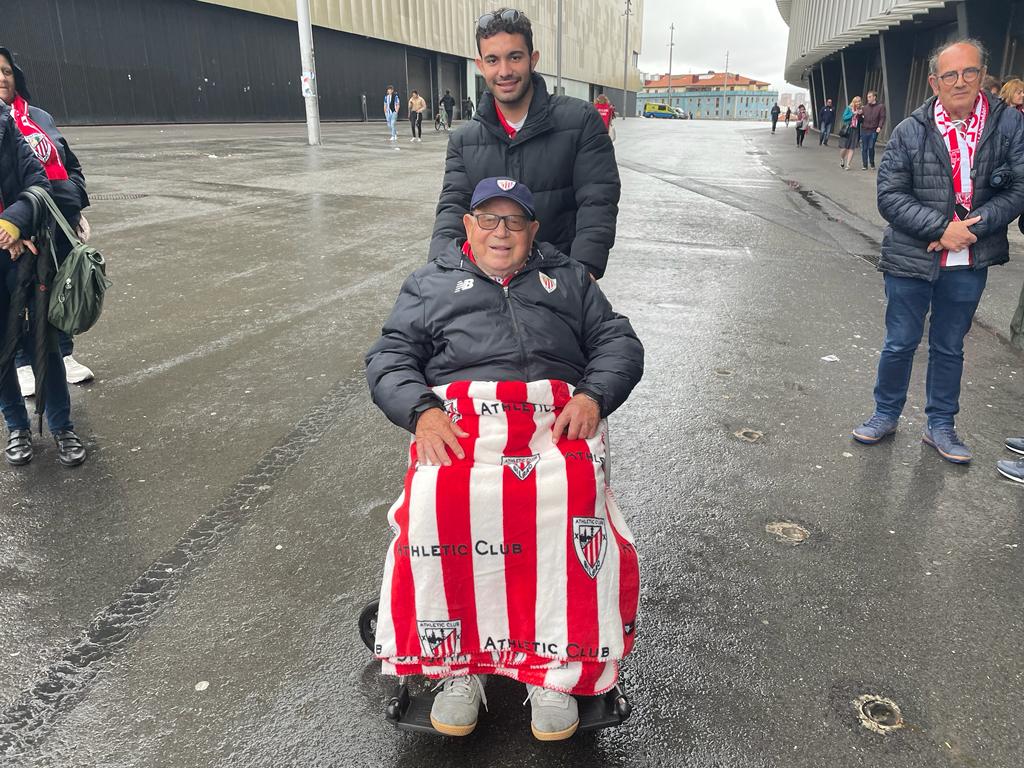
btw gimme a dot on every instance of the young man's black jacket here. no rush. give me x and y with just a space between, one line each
916 197
452 322
563 154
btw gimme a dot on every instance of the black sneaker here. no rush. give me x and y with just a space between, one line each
70 451
19 447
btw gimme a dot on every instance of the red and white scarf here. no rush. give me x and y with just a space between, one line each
961 137
515 560
41 144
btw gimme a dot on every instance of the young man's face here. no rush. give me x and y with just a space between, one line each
506 66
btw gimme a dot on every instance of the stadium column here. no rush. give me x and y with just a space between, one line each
897 51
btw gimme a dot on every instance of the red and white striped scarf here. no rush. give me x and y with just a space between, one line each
515 560
41 144
961 137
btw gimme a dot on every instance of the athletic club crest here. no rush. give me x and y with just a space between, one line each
506 184
440 639
521 466
590 539
41 145
549 283
452 411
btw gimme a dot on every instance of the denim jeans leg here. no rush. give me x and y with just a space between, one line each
956 298
66 343
11 402
871 150
58 397
907 304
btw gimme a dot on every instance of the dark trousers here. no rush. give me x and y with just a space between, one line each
416 121
826 129
800 133
775 121
952 301
867 148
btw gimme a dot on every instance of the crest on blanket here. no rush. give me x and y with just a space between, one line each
521 466
452 409
591 543
440 639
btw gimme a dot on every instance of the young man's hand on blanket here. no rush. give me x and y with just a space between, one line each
434 431
579 419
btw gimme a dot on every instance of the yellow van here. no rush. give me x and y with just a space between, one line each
659 110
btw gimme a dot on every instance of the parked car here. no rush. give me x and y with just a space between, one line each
682 114
652 109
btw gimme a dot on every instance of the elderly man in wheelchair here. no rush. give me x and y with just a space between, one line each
509 557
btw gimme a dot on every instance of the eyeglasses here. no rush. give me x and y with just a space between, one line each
510 15
513 222
970 75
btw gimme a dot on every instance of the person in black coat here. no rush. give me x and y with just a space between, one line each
950 182
556 145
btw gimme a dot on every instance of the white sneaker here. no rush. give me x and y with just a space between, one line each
413 139
455 709
26 380
554 716
75 372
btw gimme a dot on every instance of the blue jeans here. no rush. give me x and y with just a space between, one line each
826 129
65 342
58 399
392 118
867 148
952 299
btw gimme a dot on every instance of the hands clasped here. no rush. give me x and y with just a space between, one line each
957 236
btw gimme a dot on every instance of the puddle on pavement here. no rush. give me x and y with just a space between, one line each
878 714
788 533
748 435
723 372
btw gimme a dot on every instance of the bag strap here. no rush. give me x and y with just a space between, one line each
39 195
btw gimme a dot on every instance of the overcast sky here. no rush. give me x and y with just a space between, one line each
752 31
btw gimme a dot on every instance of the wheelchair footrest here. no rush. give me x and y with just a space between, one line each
408 712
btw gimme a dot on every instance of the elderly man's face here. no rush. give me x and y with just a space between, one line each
501 251
962 62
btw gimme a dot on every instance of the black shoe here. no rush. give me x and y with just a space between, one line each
70 451
872 166
19 447
864 167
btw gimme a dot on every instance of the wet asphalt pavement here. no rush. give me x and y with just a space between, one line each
230 522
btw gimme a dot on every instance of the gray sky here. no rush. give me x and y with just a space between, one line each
751 30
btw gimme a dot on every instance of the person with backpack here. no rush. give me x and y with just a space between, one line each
392 106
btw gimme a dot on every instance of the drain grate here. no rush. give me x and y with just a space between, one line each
118 196
878 714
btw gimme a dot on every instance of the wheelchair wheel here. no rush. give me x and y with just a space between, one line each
368 625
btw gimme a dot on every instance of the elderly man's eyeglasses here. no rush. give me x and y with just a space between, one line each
513 222
970 76
510 15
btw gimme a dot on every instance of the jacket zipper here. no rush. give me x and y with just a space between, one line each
519 336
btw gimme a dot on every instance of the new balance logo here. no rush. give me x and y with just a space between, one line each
463 285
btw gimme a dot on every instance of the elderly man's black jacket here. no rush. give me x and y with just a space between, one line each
916 197
563 153
452 322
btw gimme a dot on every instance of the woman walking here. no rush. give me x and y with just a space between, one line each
801 124
416 107
851 124
789 114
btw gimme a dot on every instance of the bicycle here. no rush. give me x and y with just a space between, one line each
441 120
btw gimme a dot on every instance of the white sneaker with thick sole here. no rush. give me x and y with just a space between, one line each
26 380
456 707
75 372
554 716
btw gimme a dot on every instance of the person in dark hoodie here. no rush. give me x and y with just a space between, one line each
556 145
68 183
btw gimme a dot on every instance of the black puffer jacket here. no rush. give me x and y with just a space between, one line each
453 323
19 169
915 191
563 154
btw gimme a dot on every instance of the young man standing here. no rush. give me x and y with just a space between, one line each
556 145
392 105
871 124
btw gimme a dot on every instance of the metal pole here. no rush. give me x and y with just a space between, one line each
625 59
308 72
558 51
671 45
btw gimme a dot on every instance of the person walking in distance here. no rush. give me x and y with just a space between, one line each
555 145
605 110
826 119
851 125
448 102
775 112
950 181
392 105
416 106
871 125
789 114
801 125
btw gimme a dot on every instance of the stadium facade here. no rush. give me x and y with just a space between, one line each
839 49
146 61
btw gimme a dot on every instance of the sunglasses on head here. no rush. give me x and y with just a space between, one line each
510 15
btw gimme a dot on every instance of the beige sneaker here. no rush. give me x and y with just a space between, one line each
455 708
554 716
75 372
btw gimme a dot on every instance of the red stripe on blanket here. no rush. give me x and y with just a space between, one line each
403 587
629 587
454 522
519 511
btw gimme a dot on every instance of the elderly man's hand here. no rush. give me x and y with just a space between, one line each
19 247
6 239
435 432
957 236
578 419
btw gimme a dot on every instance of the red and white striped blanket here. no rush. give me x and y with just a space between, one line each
514 561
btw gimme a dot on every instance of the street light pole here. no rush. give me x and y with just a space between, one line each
558 51
671 45
308 72
625 58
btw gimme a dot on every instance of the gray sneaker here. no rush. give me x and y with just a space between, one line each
1012 469
1015 444
947 442
455 708
554 715
874 429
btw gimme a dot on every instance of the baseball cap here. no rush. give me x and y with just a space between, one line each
500 186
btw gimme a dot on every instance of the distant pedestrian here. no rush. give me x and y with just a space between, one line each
850 132
775 112
947 219
871 126
606 110
448 102
789 114
801 124
467 109
1012 94
416 106
392 106
826 119
992 85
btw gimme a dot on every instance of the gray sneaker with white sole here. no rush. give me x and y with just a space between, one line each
457 705
554 716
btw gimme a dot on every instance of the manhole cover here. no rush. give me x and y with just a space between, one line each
748 435
789 533
117 196
723 372
878 714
